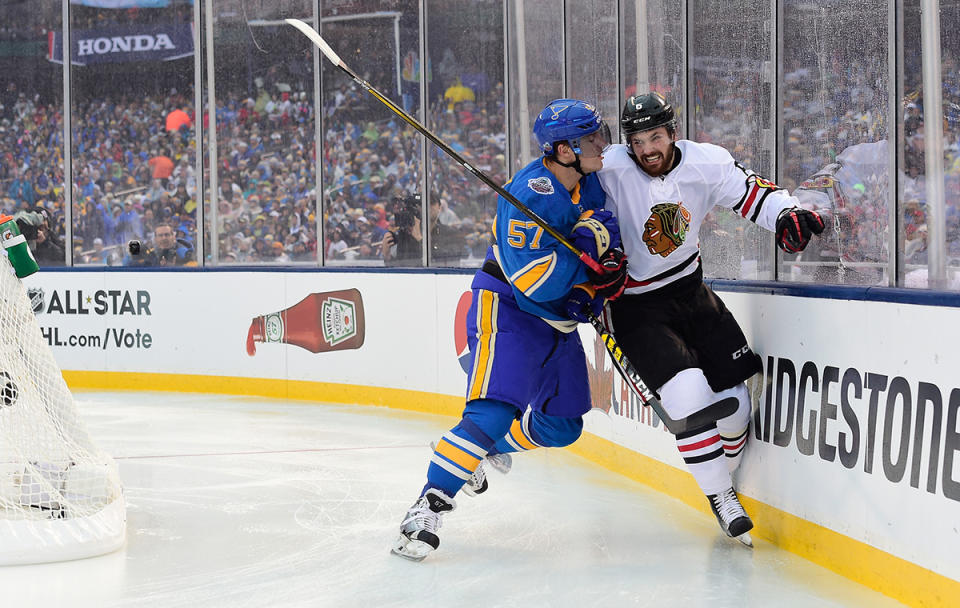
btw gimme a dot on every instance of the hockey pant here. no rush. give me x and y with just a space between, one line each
713 450
462 448
527 388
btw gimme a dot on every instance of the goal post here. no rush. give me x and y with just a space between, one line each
60 496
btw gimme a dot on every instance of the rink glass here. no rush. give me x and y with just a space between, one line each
467 109
789 88
31 94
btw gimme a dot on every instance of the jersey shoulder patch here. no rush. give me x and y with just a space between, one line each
541 185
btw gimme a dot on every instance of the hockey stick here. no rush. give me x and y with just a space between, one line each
620 361
314 37
628 372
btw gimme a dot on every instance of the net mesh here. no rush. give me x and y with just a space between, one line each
49 467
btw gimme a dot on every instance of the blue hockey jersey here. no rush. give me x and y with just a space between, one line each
541 271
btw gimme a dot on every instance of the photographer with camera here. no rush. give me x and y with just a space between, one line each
168 250
401 247
35 227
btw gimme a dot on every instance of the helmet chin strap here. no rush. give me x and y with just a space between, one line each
575 165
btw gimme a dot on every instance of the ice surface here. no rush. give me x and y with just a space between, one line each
245 502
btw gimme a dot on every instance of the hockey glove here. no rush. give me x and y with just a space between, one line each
610 283
795 226
595 232
582 302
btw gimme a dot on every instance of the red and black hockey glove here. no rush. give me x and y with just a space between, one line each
795 227
611 282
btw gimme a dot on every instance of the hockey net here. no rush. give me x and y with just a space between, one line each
60 496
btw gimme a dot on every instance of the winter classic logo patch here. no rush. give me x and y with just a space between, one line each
541 185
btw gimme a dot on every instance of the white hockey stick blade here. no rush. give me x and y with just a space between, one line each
315 38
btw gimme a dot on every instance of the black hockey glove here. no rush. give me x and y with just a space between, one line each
795 227
610 283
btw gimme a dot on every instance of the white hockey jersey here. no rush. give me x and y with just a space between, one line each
660 217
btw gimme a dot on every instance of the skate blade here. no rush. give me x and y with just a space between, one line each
413 550
745 539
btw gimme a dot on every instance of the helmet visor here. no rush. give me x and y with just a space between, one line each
594 144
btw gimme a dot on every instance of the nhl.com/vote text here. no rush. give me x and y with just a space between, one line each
113 337
100 303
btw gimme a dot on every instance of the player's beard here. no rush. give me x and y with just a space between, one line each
659 167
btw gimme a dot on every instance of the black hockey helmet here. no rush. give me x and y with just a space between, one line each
645 112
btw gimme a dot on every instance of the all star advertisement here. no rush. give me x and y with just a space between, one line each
856 423
356 329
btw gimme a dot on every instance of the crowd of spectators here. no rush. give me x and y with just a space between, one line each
134 167
835 127
134 162
370 164
130 173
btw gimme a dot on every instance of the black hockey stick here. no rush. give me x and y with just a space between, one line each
321 44
620 361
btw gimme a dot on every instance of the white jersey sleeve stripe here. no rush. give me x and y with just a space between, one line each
749 202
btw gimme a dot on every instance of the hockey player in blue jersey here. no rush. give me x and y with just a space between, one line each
527 386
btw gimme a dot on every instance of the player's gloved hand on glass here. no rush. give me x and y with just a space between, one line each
595 232
582 302
794 228
611 282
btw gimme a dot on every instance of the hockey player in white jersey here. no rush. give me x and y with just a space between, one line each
675 330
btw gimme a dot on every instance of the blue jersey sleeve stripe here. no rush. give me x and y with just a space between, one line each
534 274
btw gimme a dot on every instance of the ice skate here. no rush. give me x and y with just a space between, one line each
730 514
477 484
501 463
418 530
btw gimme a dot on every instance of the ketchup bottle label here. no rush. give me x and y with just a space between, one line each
339 321
273 327
331 320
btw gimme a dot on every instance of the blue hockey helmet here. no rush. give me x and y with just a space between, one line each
566 120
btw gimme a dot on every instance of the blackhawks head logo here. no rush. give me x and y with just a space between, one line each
666 228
